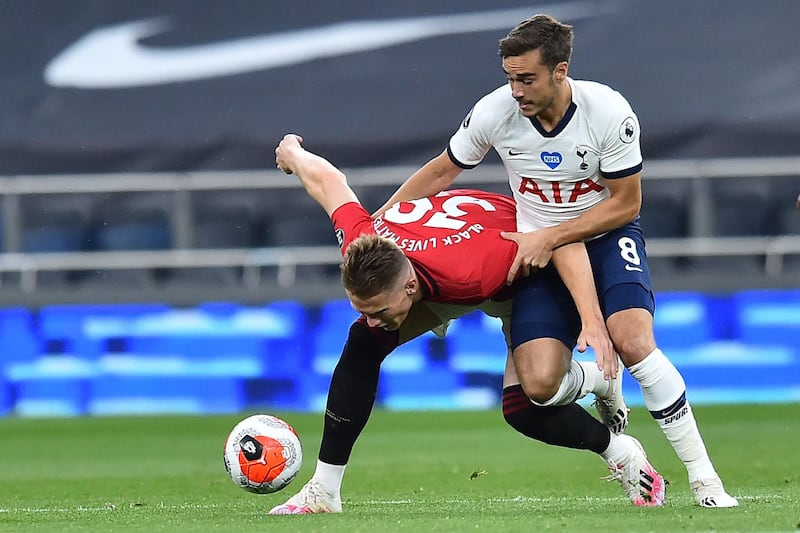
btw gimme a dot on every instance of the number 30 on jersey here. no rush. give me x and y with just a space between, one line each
447 217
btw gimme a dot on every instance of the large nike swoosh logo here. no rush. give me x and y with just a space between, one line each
112 57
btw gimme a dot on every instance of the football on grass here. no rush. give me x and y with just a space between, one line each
262 454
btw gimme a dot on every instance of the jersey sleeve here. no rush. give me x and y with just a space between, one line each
473 139
621 155
350 221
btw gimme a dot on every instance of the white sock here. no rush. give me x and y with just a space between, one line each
582 378
664 394
330 476
571 388
593 380
617 451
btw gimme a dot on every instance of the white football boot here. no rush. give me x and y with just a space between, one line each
642 483
711 493
611 406
312 498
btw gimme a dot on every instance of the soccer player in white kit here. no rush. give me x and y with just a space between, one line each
571 151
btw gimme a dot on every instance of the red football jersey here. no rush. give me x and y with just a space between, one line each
452 239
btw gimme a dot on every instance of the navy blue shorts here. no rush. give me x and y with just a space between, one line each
543 307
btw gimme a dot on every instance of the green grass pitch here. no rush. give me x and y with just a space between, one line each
409 472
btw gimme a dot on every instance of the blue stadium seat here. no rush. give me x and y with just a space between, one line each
152 234
337 314
409 357
198 346
84 330
327 346
269 337
54 396
61 330
295 346
734 371
295 312
477 345
435 388
329 340
313 389
682 319
132 221
53 223
54 237
5 396
768 317
271 394
54 229
119 395
18 339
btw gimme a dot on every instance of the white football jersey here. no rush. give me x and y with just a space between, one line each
554 176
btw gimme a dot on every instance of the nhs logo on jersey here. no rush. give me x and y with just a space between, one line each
551 159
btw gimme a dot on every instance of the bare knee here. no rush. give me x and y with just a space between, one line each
541 365
540 387
631 332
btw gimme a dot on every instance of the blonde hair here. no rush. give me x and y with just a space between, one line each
372 265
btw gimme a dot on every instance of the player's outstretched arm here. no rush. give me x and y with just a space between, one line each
572 263
437 175
324 182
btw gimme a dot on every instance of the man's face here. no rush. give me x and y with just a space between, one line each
386 310
532 83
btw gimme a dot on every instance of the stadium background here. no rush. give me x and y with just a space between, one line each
154 261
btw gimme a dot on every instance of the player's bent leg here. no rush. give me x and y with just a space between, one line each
543 368
544 327
550 377
351 396
569 426
352 391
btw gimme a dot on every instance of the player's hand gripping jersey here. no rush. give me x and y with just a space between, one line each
554 175
453 240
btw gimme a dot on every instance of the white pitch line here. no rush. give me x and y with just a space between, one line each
55 510
542 500
110 507
453 501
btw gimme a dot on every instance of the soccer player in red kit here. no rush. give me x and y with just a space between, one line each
419 265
